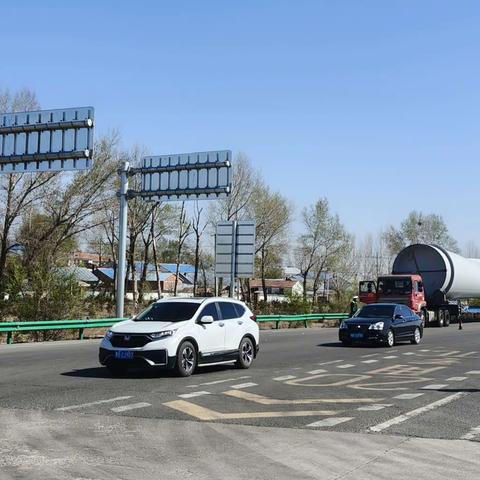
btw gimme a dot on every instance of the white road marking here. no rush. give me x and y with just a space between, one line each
244 385
132 406
194 394
447 354
473 372
330 422
369 361
346 365
425 350
374 407
330 362
98 402
409 396
409 353
285 377
316 372
456 379
215 382
435 386
468 354
388 357
474 432
418 411
370 355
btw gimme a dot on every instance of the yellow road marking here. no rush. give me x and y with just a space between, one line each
253 397
206 414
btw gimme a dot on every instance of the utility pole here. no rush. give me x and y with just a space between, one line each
122 238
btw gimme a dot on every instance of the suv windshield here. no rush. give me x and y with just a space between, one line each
168 312
394 286
374 311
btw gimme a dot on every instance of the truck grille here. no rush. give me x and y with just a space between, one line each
130 341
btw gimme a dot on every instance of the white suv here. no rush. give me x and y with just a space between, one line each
181 334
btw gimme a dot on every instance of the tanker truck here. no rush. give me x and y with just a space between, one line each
428 279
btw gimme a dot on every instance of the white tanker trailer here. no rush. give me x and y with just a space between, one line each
430 280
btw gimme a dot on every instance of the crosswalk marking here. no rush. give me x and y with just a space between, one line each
194 394
369 361
330 362
418 411
409 353
244 385
132 406
285 377
474 432
330 422
98 402
388 357
346 365
374 407
409 396
435 386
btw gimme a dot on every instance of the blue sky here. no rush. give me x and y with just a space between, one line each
373 104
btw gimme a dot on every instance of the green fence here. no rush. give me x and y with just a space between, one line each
12 327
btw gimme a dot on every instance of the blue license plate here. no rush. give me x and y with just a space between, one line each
123 355
356 335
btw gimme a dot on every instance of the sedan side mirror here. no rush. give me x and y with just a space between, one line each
398 317
206 319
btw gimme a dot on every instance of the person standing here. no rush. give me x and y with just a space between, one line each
353 305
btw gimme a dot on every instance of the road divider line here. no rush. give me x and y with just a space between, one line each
90 404
409 353
285 377
253 397
436 386
215 382
194 394
206 414
418 411
330 422
244 385
474 432
409 396
374 407
132 406
370 355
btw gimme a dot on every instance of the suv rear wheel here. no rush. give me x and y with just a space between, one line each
246 353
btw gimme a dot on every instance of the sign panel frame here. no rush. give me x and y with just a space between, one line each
47 140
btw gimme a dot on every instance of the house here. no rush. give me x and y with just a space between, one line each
82 275
85 259
276 289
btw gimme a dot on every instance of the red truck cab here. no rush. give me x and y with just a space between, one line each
405 289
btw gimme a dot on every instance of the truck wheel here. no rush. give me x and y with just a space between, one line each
441 318
446 318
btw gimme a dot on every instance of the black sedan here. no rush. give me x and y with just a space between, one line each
384 323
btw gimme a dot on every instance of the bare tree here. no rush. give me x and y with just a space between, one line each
198 229
183 233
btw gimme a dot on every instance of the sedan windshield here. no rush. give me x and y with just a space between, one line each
168 312
374 311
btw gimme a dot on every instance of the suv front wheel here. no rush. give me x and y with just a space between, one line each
246 353
186 359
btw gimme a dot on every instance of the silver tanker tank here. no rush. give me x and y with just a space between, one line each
445 274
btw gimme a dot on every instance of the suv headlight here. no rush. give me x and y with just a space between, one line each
343 325
108 335
158 335
376 326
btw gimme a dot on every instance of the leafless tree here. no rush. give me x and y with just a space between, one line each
198 228
183 232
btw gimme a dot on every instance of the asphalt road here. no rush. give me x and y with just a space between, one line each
308 408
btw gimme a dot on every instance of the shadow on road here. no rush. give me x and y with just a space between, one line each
353 345
102 372
457 390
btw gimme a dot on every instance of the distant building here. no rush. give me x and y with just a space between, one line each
276 289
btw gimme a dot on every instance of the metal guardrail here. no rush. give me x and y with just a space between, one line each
12 327
309 317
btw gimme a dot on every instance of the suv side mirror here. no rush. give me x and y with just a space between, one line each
398 317
206 319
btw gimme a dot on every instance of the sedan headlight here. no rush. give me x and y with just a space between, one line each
108 335
165 333
343 325
376 326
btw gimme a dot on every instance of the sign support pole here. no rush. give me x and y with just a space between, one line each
122 238
234 249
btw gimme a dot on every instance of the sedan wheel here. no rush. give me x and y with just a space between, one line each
246 353
417 337
186 359
390 338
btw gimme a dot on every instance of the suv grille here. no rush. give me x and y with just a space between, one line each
126 340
